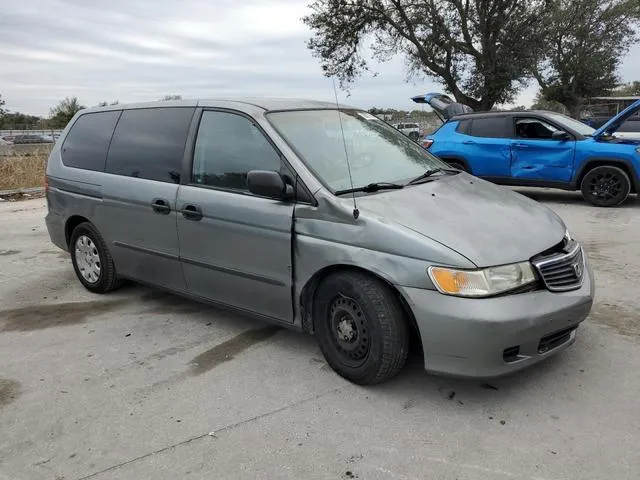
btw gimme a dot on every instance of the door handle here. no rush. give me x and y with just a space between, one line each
468 142
521 145
160 206
191 212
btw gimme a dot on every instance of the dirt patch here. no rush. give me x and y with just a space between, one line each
9 391
228 350
625 321
22 171
38 317
6 253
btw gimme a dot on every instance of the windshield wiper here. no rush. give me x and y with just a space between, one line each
430 173
372 187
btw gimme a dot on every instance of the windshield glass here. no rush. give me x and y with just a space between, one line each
377 152
571 123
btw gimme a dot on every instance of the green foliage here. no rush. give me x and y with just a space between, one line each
2 110
542 103
62 113
104 104
631 89
479 50
585 42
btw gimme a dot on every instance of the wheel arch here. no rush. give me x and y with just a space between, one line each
70 225
307 295
457 159
592 163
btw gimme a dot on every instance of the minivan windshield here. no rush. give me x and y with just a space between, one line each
377 152
575 125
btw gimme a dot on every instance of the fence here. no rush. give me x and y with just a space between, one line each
54 133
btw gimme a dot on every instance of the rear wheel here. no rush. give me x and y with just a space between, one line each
414 136
361 327
91 259
605 186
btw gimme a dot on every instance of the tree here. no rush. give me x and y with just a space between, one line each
631 89
585 42
480 50
2 103
104 104
171 97
64 111
541 103
19 121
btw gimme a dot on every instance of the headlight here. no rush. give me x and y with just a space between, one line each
481 283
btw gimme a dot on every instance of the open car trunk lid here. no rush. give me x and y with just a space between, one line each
442 104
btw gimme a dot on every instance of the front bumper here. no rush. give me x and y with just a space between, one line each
496 336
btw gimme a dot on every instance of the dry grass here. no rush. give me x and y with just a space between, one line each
22 171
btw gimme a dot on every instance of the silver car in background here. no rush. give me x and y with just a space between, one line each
322 219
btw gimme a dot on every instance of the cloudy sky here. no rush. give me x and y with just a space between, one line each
139 51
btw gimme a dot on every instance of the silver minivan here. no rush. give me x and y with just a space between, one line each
321 218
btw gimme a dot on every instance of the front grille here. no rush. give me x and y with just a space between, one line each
564 270
555 339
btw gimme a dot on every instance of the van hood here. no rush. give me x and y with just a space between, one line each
486 223
614 123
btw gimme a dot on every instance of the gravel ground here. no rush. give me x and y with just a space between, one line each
144 385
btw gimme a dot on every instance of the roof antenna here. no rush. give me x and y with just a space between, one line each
356 212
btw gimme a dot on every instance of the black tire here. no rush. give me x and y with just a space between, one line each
457 165
361 307
414 136
605 186
106 280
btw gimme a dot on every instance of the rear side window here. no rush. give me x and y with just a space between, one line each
87 143
464 126
492 127
149 143
227 148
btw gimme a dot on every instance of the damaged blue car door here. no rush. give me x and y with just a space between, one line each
541 150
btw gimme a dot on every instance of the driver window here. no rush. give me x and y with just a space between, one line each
534 129
228 146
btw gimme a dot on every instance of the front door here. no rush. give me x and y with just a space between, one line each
235 247
535 155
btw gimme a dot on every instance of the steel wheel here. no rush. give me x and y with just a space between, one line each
349 330
360 326
88 259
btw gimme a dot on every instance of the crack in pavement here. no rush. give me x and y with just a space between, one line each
214 432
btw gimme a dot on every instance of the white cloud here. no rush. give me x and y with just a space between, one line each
140 51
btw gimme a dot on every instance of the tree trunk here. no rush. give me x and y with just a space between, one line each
575 110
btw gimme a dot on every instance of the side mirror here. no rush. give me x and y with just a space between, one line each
267 183
560 136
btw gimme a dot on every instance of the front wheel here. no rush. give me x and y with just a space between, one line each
605 186
361 327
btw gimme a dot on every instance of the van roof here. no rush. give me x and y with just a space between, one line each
265 103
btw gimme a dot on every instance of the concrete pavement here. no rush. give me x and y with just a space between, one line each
140 384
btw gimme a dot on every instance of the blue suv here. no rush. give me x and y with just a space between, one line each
538 148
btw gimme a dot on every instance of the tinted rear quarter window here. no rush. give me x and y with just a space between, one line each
491 127
88 140
149 143
464 126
